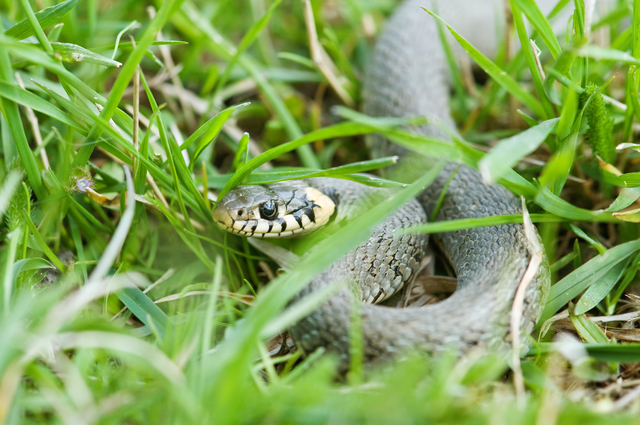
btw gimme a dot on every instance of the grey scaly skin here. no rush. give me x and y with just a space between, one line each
408 77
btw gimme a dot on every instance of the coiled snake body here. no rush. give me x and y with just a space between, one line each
406 78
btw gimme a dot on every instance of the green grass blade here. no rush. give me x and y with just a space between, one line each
469 223
541 24
588 330
212 127
496 73
121 83
43 244
225 49
73 53
523 36
337 130
585 276
35 25
242 154
558 206
247 40
144 309
35 102
46 17
9 186
508 152
600 289
14 121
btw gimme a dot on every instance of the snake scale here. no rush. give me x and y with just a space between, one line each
406 77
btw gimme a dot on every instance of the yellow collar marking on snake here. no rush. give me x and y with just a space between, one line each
274 211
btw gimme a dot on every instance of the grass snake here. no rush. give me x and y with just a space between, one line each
406 77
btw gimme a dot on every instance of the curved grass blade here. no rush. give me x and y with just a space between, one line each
35 102
585 276
212 127
541 24
496 73
14 121
73 53
508 152
337 130
469 223
600 289
125 75
247 40
46 17
588 330
227 50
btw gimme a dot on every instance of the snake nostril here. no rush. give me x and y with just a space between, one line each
240 213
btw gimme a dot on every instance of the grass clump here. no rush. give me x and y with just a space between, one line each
153 315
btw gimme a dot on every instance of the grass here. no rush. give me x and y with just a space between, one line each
160 317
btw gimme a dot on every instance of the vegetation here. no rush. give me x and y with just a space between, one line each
118 118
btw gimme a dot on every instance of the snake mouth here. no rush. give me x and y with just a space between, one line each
315 213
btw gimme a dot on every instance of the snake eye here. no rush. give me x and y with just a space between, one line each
268 210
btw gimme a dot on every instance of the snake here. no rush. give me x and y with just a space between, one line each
407 76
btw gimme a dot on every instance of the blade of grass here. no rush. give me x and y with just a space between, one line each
35 102
125 75
14 121
508 152
226 50
600 289
35 26
247 40
43 244
337 130
144 309
585 276
541 24
46 17
212 127
588 330
530 56
496 73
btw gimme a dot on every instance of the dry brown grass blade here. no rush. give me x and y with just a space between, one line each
537 254
321 59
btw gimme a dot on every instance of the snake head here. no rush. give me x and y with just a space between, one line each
277 210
